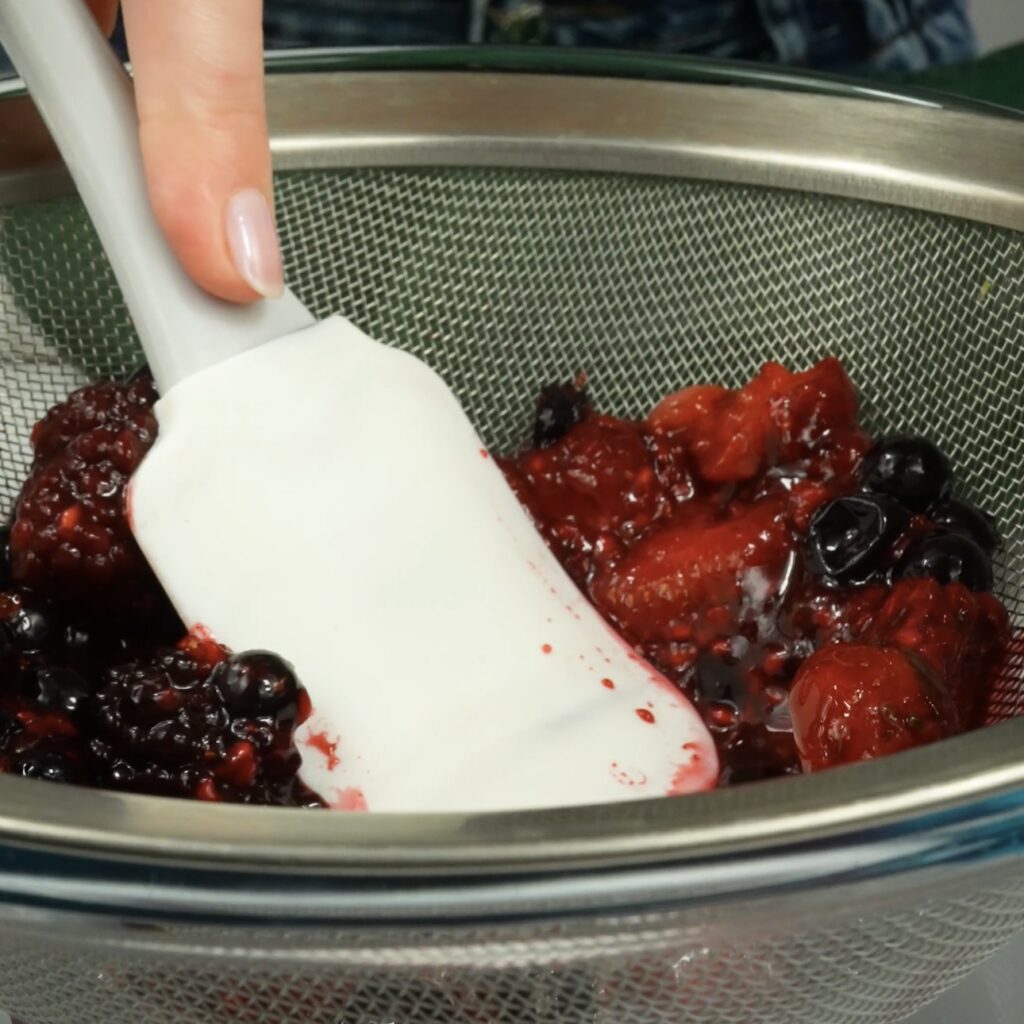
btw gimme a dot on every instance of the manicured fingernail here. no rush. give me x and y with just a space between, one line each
252 239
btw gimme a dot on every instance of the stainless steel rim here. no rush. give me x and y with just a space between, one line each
953 163
888 153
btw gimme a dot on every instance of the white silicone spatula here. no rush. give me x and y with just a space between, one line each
318 494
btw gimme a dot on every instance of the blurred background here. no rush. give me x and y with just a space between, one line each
998 23
973 48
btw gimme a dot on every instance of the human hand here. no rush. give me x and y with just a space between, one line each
198 67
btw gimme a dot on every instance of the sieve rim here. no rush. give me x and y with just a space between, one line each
949 161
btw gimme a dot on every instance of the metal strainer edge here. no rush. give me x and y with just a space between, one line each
897 155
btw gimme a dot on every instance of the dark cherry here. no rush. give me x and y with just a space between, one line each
948 558
34 624
51 765
969 520
58 688
559 408
910 469
851 536
257 684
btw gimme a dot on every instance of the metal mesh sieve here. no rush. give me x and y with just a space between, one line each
856 956
504 279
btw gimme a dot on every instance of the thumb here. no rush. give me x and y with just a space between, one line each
198 68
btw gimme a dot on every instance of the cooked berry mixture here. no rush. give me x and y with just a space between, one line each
99 685
822 598
70 538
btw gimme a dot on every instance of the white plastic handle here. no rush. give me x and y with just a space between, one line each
86 98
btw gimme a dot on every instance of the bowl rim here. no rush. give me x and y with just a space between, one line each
894 149
626 64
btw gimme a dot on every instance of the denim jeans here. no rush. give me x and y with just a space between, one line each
854 36
832 35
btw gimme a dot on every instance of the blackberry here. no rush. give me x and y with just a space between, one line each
162 725
49 765
58 688
32 621
9 728
70 538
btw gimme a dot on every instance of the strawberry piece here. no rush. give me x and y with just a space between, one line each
727 432
960 635
777 419
599 484
854 702
680 570
817 411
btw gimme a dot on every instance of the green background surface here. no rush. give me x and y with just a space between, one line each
998 78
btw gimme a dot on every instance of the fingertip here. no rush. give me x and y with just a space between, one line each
220 228
253 243
202 121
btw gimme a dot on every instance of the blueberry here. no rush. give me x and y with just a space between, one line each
909 469
33 625
57 688
948 558
559 408
960 517
851 536
257 684
50 765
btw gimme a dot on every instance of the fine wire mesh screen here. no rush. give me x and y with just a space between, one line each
863 955
504 280
507 279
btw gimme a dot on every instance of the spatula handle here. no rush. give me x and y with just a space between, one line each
86 98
